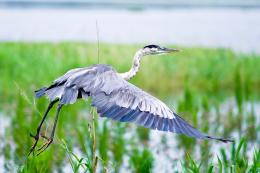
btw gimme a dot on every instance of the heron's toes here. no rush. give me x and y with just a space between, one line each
45 145
36 138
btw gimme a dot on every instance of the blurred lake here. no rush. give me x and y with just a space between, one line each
204 25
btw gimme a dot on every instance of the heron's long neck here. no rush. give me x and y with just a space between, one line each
135 67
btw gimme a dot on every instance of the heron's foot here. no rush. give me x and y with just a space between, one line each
36 139
45 145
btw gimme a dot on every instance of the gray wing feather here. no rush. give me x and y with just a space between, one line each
126 95
66 87
67 75
119 100
69 95
55 92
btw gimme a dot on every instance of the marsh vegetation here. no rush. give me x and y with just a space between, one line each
216 90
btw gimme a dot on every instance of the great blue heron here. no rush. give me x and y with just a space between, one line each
115 98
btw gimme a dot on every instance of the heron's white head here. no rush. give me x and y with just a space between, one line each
147 50
157 50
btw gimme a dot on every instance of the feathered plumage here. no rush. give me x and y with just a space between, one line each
118 99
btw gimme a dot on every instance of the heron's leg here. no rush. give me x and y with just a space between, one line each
36 137
49 140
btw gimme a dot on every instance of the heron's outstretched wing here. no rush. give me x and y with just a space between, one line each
120 100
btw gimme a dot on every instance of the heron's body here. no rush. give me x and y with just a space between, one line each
108 84
115 98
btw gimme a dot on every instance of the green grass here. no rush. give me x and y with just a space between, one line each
210 71
196 82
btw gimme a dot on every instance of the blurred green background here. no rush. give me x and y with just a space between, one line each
213 83
216 90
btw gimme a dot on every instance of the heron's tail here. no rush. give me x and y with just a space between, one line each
40 92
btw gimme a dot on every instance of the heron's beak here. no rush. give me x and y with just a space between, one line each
170 50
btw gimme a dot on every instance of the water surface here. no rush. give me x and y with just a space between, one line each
234 28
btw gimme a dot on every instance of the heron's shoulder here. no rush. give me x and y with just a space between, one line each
103 68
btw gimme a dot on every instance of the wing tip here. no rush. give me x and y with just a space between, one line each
224 140
40 92
194 132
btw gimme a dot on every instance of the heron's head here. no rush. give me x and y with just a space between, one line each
157 50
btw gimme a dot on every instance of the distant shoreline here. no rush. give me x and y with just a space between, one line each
129 5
